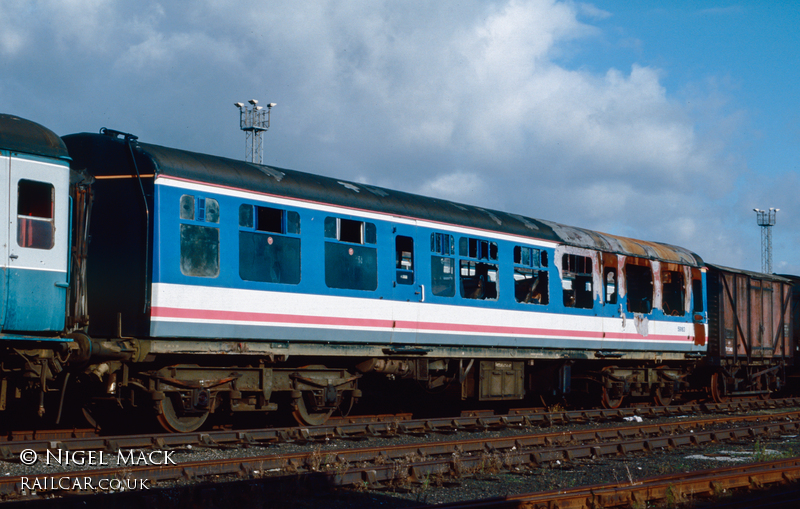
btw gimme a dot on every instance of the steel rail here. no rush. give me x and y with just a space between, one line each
388 426
417 462
671 489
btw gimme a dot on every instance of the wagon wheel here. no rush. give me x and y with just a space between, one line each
607 399
174 423
662 395
309 418
719 391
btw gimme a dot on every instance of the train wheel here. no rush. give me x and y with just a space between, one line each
174 423
309 418
663 396
718 388
608 399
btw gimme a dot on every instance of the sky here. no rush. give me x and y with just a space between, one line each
667 121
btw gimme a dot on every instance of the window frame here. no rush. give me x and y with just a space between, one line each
203 235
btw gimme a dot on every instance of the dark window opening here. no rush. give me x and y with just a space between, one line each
610 280
35 199
639 280
673 293
527 256
269 220
478 280
443 276
530 286
697 295
477 248
349 230
576 281
404 259
35 204
199 250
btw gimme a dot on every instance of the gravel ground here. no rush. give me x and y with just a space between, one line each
315 492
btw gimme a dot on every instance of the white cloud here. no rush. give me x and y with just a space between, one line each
464 100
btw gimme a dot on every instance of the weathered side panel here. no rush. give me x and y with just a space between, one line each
753 315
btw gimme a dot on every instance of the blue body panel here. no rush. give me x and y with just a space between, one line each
166 269
39 299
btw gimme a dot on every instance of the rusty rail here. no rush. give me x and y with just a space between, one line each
386 426
669 489
416 462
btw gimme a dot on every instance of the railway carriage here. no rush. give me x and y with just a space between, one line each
202 285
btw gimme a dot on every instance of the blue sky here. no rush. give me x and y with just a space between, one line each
665 121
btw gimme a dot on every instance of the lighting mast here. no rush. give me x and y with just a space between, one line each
766 220
254 120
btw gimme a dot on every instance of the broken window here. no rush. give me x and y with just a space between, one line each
268 250
477 248
673 293
610 281
35 226
530 285
350 266
443 244
199 244
639 281
478 280
527 256
576 281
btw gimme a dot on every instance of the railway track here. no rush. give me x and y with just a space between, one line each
669 490
12 445
402 464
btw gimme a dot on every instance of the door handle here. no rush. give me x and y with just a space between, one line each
13 256
421 293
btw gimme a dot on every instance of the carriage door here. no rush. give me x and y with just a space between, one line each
407 290
37 250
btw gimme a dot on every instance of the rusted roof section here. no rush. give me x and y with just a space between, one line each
20 135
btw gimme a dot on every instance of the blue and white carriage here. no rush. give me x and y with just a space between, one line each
218 284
